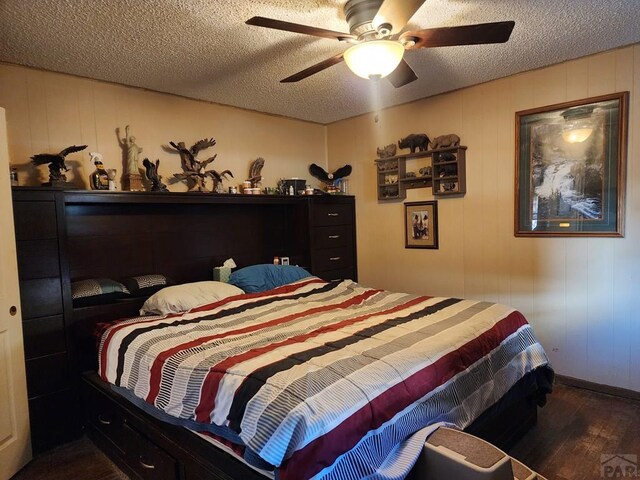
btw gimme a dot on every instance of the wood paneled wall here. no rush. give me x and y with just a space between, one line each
48 111
580 294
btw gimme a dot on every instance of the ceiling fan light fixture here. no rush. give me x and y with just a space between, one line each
374 58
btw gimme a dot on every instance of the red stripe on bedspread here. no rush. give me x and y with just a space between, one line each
212 380
216 373
245 296
323 451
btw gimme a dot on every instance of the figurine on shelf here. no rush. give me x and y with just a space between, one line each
446 141
255 172
425 172
56 165
99 179
419 141
194 172
335 182
131 180
153 176
387 151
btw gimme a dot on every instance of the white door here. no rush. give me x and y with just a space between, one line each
15 440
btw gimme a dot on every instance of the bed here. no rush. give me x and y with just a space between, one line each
327 380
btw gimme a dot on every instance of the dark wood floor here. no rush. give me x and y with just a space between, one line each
577 427
574 429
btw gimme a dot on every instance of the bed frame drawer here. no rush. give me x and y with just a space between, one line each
147 448
139 455
146 459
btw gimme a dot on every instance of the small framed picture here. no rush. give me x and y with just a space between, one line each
284 260
421 224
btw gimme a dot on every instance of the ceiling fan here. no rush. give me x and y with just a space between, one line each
378 45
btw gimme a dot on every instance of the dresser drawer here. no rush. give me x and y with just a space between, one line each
332 259
41 297
336 275
332 214
35 220
47 374
332 236
38 259
43 336
145 458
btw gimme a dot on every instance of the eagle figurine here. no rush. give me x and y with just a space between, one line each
194 172
153 176
56 163
255 171
329 178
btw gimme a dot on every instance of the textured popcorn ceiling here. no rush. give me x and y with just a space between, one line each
202 49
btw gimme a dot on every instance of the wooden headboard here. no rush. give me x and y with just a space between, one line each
180 235
63 236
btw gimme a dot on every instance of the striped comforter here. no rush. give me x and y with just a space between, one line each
324 380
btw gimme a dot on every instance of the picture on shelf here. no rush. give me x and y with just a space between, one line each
421 224
448 187
390 179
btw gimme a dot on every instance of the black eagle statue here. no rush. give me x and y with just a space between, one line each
329 178
56 163
153 176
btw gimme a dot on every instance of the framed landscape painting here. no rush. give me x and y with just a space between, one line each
421 224
570 168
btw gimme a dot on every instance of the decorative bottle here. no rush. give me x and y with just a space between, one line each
99 179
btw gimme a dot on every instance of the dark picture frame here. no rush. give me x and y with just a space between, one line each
570 168
421 224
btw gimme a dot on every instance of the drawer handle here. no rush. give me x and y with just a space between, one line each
333 237
334 259
333 214
145 465
102 420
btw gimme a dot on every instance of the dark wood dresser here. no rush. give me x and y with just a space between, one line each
332 231
71 235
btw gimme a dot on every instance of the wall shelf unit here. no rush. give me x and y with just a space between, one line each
447 176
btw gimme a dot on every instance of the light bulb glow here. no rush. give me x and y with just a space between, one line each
576 135
374 59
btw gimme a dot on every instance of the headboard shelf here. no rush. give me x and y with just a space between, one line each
84 197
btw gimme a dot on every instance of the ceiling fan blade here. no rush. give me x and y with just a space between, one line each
396 13
297 28
495 32
402 75
318 67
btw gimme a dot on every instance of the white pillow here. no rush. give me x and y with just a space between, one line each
180 298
